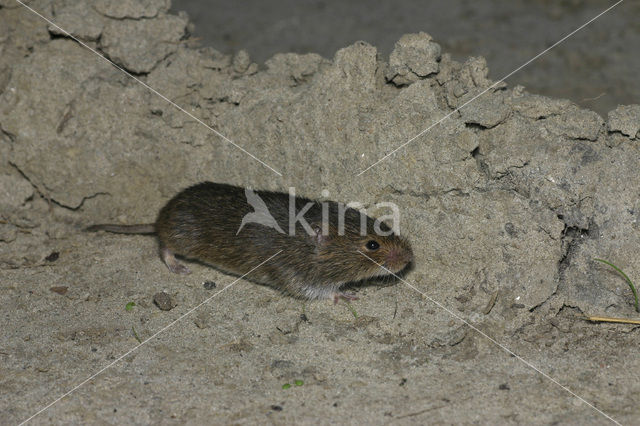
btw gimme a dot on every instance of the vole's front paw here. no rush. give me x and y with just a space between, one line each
344 296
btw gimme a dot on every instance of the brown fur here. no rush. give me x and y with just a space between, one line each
201 223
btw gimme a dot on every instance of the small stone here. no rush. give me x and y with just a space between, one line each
504 386
53 256
164 301
510 229
209 285
59 289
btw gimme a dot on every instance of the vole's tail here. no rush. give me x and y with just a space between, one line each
146 228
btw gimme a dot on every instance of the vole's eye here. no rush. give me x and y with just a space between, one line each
372 245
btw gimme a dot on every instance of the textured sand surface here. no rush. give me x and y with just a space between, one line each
506 204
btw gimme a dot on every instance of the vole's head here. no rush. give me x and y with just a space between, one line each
353 255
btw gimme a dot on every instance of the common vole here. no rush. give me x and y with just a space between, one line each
235 229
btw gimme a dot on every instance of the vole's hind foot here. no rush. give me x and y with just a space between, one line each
344 296
172 263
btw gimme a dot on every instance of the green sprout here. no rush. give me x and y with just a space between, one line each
352 309
130 306
298 383
286 386
633 288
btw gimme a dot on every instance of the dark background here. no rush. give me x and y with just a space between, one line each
596 68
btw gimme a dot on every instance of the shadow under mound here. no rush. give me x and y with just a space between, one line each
381 281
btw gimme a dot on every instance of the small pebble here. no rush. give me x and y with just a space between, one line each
276 407
504 386
60 290
164 301
53 256
209 285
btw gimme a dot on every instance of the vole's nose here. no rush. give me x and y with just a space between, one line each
407 256
398 258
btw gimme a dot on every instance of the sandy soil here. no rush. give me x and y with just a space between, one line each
507 202
596 67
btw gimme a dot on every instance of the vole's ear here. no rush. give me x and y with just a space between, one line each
320 237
